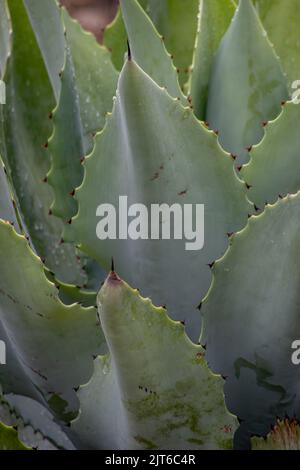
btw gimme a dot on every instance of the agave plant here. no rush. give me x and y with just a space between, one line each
185 103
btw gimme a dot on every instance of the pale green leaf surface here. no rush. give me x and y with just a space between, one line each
96 78
214 20
155 151
115 39
252 310
4 36
70 294
7 211
176 20
45 19
53 342
247 84
36 425
157 394
13 377
143 36
281 20
274 168
27 128
88 85
66 146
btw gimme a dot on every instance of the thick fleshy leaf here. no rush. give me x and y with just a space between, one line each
70 294
284 436
176 20
89 82
115 39
247 84
155 151
9 439
35 424
4 36
27 128
96 78
214 19
46 23
251 315
157 394
281 20
66 146
142 35
7 211
274 168
49 338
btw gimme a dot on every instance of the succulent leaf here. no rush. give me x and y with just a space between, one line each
88 85
157 63
176 20
9 439
148 138
27 128
247 84
70 294
45 19
281 21
273 168
7 211
96 78
251 313
35 424
213 22
49 338
4 36
66 146
157 394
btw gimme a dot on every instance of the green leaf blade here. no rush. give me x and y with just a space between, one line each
214 19
251 312
273 168
247 84
157 63
134 157
170 401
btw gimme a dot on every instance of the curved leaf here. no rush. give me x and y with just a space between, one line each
281 21
157 63
35 424
214 19
4 36
251 314
176 20
46 22
96 78
157 394
29 100
114 38
9 439
274 166
7 211
247 84
88 85
155 151
49 338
